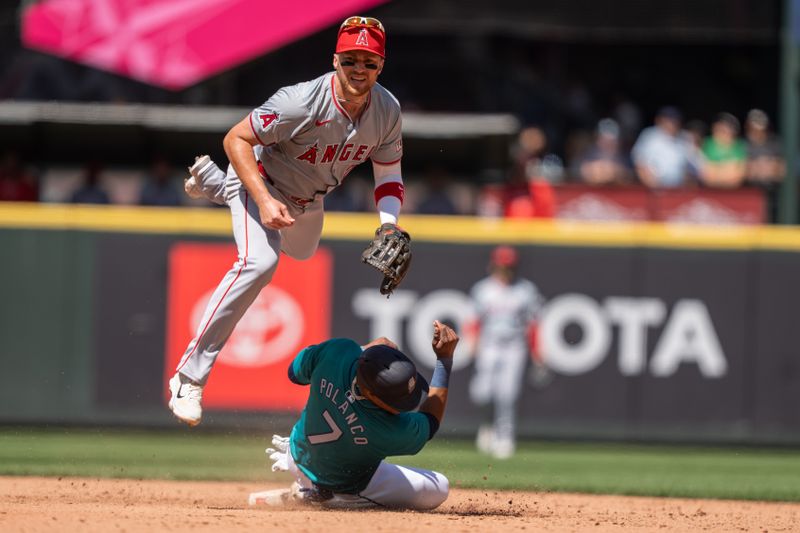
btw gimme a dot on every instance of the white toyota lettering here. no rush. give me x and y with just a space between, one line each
688 336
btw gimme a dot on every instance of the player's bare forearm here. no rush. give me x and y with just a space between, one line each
436 403
238 144
444 343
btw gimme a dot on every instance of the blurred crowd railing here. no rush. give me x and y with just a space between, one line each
634 203
670 171
160 184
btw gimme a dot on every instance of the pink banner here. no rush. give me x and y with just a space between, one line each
176 43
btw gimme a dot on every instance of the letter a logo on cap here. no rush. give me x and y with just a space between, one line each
362 38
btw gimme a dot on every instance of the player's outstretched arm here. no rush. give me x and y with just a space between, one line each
238 144
444 345
389 191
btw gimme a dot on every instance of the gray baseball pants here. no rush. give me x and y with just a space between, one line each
258 253
497 381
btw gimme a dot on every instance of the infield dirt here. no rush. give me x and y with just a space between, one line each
88 504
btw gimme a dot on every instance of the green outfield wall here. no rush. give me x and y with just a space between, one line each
651 331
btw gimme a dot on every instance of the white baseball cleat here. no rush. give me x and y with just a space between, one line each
503 448
185 398
485 439
192 184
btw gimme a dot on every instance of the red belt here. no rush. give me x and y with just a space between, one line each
300 202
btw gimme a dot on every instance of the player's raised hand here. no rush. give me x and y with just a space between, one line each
274 214
444 340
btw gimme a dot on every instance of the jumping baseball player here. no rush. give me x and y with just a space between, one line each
506 307
360 410
284 157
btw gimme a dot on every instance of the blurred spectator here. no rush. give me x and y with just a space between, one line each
576 145
528 191
765 162
90 192
766 166
159 189
16 183
537 202
437 200
605 163
695 134
660 155
532 160
725 154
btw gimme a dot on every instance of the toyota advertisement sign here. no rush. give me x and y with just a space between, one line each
291 312
638 341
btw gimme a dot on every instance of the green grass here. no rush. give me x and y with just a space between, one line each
132 454
754 474
741 473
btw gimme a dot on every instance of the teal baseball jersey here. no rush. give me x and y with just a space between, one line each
341 437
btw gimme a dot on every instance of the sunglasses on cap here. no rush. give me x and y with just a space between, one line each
361 22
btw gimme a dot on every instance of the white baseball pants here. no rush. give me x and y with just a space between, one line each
497 381
394 486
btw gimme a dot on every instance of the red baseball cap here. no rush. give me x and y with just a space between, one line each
362 33
504 256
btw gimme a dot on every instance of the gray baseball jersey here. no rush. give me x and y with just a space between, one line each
505 311
310 143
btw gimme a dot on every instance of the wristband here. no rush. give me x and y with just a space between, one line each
441 373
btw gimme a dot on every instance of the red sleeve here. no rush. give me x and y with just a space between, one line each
392 188
471 329
533 341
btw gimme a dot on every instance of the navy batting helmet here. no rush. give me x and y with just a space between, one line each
391 377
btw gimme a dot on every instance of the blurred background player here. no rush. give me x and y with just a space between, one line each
503 335
286 155
360 410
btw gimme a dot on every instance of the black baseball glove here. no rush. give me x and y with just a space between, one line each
390 253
